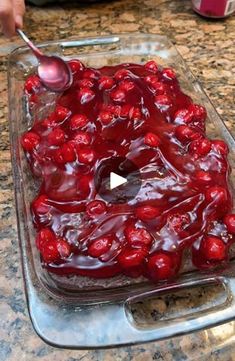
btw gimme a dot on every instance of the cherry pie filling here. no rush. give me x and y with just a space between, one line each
141 113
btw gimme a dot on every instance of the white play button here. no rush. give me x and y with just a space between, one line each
116 180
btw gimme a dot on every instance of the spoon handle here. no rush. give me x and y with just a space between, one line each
36 51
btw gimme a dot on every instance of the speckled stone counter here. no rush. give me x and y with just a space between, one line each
209 49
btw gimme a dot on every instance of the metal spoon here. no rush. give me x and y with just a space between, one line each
53 71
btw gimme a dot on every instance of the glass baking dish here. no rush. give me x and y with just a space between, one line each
78 312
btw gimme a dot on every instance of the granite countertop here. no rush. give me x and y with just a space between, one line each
208 48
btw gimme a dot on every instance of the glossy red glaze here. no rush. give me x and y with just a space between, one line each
229 221
138 112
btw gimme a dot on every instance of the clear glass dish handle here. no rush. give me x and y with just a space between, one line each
107 325
90 42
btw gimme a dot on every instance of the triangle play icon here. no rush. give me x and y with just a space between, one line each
116 180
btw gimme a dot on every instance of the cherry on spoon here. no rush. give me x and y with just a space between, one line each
53 71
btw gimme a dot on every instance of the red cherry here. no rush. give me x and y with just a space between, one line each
86 83
126 85
50 122
125 110
178 221
113 109
50 252
183 116
30 140
85 95
213 249
186 134
63 248
40 205
78 121
91 74
162 101
138 237
152 140
68 152
96 208
159 88
135 113
100 246
57 157
32 84
82 138
122 74
106 82
169 73
61 113
229 221
151 66
44 235
86 155
76 66
160 266
130 258
200 147
55 249
146 213
217 195
106 117
56 137
203 177
152 80
199 112
118 96
219 146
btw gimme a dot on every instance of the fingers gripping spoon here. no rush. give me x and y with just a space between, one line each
53 71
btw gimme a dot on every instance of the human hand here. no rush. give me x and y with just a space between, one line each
11 15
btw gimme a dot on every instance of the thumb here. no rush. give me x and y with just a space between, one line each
19 10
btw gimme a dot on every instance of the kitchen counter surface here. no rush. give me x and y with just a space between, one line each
209 49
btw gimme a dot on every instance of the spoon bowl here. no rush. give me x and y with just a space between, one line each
53 71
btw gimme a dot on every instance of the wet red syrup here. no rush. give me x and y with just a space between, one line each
138 112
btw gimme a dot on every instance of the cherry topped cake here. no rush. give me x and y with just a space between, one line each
184 205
